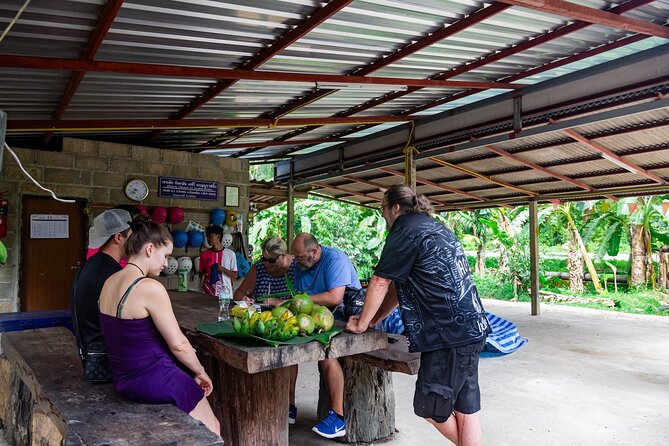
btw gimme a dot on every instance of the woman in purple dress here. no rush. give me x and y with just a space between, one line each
151 359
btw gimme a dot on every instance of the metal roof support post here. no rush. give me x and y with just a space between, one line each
409 163
291 210
534 257
517 114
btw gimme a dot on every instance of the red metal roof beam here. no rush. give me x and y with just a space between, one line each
592 15
535 166
48 63
19 126
612 157
105 21
436 185
321 15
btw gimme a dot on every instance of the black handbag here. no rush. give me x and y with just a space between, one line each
354 300
94 355
96 363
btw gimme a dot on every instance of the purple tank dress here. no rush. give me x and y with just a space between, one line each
143 368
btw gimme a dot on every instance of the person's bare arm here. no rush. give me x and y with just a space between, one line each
376 294
247 286
159 307
389 304
330 298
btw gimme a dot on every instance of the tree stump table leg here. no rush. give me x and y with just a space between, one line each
252 408
369 402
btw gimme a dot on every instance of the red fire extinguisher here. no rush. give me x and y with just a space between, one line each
4 215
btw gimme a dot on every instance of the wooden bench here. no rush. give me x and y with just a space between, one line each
369 400
45 400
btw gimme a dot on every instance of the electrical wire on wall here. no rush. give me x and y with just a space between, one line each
18 161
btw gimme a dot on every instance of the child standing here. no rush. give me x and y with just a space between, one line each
218 265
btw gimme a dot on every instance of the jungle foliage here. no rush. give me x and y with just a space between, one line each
604 239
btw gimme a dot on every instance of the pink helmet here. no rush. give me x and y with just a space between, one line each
159 214
175 215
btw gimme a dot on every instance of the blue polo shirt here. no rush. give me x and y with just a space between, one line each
334 269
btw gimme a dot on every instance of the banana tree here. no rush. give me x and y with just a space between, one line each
639 221
565 214
648 230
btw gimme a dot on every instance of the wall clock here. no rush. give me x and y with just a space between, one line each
136 190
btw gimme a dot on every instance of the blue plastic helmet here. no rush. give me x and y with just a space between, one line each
217 217
195 239
180 238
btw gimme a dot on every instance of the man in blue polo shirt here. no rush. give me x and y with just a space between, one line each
325 274
441 309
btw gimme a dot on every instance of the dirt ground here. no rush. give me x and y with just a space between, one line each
586 377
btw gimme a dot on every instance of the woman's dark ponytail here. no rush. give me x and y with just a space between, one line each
408 200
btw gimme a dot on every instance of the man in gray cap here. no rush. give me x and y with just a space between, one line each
111 231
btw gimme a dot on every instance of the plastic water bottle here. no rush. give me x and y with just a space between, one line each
224 305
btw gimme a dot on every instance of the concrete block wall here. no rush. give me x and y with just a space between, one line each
97 173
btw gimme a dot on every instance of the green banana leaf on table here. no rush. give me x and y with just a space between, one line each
224 329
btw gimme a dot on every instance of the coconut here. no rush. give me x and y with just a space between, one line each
323 318
301 303
305 324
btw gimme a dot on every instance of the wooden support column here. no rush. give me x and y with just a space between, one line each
534 257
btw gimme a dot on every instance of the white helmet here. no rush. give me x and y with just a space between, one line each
172 266
185 262
226 240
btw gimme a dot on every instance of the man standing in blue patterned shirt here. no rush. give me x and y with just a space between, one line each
441 309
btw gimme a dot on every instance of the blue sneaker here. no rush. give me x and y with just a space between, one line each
292 414
331 426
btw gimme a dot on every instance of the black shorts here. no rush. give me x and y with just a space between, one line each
448 380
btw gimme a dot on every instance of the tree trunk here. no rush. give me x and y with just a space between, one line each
650 268
575 266
369 402
663 271
480 259
638 268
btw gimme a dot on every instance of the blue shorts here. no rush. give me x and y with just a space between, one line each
448 381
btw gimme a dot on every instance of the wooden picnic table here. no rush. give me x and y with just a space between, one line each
251 381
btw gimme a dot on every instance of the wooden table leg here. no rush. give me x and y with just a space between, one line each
252 408
369 402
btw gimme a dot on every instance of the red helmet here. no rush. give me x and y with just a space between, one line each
175 215
159 214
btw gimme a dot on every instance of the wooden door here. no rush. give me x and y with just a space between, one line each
49 262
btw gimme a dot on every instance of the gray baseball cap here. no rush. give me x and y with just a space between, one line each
110 222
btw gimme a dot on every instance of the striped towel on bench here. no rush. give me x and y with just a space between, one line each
504 337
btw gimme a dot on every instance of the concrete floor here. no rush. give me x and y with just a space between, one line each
586 377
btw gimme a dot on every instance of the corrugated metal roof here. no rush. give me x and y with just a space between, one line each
468 41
